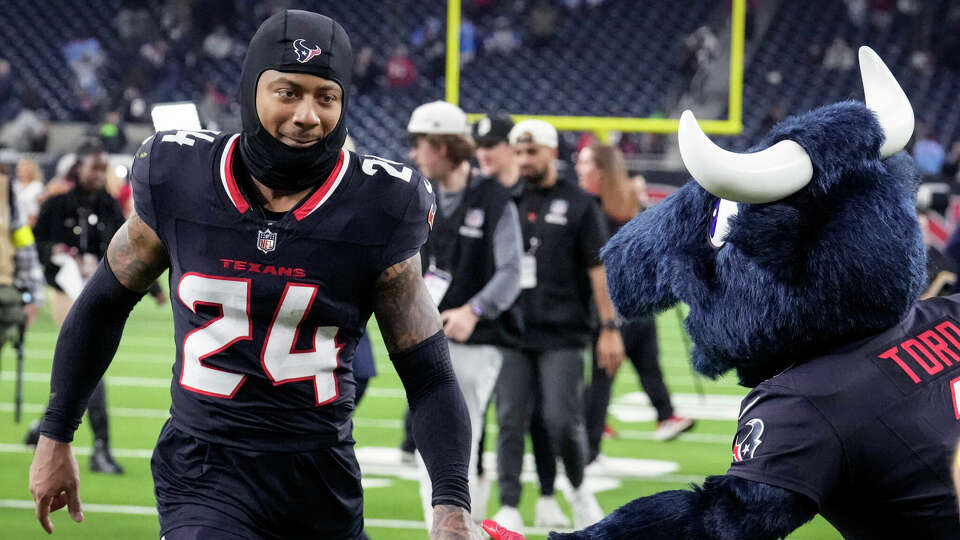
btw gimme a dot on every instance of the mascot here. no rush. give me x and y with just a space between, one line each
802 263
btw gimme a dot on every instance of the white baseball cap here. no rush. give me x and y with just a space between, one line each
534 131
438 118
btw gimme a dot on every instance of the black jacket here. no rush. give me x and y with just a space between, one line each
85 223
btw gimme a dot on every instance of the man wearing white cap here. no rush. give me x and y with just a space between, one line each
563 231
471 261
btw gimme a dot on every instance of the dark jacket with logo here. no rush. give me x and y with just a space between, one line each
462 244
84 223
563 227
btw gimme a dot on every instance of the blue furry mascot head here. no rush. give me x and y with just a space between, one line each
802 263
809 242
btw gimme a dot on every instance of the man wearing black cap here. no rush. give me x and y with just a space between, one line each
494 153
280 246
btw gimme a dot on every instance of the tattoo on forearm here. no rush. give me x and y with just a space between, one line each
405 312
136 255
451 522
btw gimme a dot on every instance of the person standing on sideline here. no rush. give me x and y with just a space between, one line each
28 188
602 172
496 158
471 261
494 153
561 276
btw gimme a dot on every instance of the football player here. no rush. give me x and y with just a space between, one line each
280 245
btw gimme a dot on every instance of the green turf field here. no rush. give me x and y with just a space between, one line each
121 508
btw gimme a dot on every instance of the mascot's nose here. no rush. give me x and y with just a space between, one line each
785 168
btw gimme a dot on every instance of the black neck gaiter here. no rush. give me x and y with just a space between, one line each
299 42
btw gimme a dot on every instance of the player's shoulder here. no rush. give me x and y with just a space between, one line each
170 154
384 173
391 185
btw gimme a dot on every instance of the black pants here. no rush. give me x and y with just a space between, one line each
557 376
640 343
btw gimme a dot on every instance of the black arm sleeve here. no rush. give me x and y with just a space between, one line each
725 507
441 423
87 343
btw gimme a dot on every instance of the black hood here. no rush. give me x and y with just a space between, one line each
299 42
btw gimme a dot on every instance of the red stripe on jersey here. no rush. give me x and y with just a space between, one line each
232 189
314 201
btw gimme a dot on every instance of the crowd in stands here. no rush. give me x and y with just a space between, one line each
160 48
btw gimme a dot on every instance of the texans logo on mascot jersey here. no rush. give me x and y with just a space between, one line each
304 53
745 445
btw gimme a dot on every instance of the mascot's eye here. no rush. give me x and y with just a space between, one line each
723 210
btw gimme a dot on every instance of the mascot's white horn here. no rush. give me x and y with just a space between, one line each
785 168
761 177
886 99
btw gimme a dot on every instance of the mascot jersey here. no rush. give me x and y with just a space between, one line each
867 431
268 310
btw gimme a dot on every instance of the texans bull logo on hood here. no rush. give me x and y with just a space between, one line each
304 53
808 242
744 446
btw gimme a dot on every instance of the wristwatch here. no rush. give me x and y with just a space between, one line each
477 310
610 324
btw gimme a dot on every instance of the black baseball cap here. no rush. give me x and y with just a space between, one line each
492 130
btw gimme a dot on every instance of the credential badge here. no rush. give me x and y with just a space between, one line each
266 241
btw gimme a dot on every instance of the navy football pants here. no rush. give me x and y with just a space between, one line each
209 491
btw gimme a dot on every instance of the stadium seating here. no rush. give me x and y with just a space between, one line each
785 47
630 68
638 55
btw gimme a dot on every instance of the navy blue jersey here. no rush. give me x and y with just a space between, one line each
867 432
268 312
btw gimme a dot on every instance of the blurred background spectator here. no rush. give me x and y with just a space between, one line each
28 188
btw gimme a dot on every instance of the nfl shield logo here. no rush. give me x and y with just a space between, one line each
559 206
474 218
266 241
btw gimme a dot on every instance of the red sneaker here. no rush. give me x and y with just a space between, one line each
497 532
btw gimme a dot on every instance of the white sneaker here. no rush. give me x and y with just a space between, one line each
597 467
672 427
549 514
586 509
479 493
510 518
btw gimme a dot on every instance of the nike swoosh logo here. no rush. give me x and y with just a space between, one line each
748 407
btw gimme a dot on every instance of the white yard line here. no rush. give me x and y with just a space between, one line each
163 414
164 382
377 461
369 523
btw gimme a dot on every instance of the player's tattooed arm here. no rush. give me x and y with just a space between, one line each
452 523
136 254
405 312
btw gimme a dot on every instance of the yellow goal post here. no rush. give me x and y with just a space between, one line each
602 125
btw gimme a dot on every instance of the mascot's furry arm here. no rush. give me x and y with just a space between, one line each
725 508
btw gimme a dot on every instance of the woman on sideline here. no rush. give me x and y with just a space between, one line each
602 171
28 188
